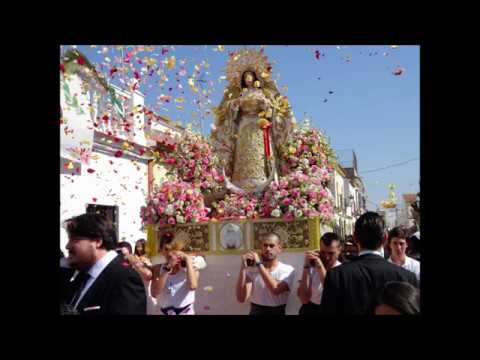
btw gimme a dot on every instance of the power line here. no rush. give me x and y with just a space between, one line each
389 166
371 202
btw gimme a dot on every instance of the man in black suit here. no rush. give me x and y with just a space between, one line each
350 288
103 283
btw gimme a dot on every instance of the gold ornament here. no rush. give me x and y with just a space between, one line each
247 60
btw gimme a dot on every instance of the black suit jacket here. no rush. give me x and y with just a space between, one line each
350 288
117 290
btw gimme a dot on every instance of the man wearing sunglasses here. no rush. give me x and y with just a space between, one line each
266 282
315 268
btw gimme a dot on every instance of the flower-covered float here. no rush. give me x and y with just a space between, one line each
258 169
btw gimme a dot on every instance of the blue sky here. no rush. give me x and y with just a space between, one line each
371 111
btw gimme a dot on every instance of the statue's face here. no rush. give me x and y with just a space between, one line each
248 78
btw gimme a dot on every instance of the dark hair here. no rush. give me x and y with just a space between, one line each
401 296
92 226
328 237
370 230
279 239
143 251
125 244
398 232
243 85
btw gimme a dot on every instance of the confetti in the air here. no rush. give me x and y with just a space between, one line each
398 71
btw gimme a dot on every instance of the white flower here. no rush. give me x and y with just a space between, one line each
169 209
276 213
180 219
298 213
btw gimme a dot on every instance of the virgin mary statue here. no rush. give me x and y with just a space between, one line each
252 122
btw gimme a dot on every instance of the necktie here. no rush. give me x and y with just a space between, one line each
81 281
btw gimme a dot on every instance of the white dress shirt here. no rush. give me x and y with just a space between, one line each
410 265
366 251
95 272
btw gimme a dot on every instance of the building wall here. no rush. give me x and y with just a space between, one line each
127 188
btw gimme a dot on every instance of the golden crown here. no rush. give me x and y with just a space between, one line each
247 60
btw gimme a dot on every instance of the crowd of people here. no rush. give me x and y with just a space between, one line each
370 273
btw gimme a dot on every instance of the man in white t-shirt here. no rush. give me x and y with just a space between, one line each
398 247
315 268
267 282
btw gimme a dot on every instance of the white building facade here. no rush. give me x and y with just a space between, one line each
113 178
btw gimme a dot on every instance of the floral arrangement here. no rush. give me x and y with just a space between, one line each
238 207
309 151
192 160
297 195
175 202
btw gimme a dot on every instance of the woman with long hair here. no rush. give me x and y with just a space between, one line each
174 283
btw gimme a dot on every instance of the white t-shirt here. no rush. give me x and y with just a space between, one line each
176 292
261 295
410 265
317 287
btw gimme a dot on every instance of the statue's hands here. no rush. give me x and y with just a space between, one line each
235 104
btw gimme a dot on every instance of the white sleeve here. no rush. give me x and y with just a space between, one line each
288 277
199 262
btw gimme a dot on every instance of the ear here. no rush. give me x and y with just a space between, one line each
98 243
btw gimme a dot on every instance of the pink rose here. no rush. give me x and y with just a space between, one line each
284 193
288 216
171 221
287 201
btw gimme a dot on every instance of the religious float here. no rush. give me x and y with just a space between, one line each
257 172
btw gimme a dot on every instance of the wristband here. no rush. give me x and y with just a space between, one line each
257 264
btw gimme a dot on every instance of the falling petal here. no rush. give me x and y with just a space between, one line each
398 71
